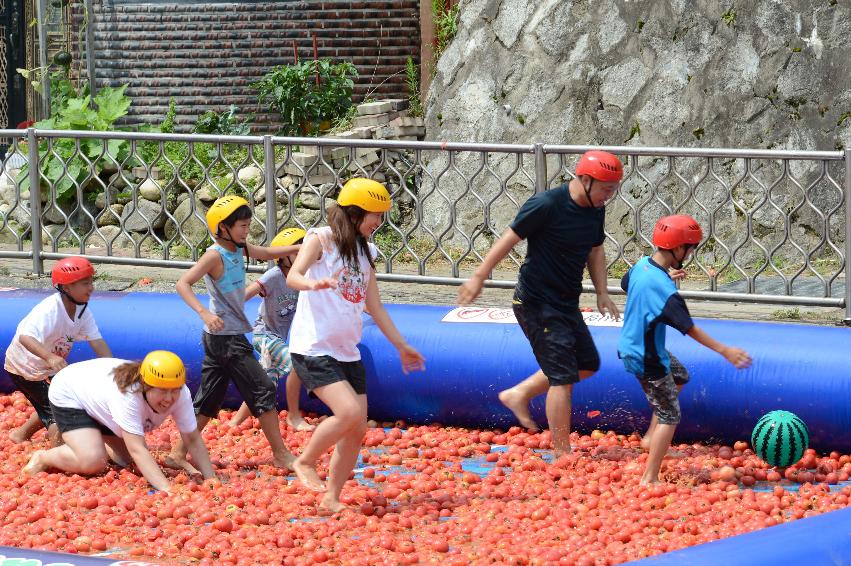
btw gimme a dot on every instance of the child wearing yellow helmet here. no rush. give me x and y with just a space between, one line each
227 353
104 407
272 326
335 273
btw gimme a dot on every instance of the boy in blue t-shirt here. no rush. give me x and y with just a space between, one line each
652 303
272 327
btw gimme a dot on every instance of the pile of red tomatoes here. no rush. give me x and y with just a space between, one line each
414 499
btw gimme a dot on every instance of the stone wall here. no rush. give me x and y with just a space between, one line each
207 54
766 74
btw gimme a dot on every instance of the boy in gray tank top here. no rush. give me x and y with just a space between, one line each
227 353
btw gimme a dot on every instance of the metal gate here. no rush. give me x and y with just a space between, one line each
12 56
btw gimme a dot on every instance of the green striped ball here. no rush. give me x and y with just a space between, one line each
780 438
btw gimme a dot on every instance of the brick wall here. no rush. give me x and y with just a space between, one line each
206 55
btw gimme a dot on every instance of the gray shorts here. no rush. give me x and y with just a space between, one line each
662 393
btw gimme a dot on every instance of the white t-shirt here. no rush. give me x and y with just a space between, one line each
50 324
328 322
90 386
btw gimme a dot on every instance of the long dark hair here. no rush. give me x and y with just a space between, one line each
345 222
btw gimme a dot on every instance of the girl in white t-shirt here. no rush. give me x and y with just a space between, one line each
335 264
112 403
44 339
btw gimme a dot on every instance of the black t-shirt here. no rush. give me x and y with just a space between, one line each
560 235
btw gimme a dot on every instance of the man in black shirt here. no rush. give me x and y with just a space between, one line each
564 231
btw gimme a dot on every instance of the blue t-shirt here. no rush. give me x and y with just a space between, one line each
652 302
560 235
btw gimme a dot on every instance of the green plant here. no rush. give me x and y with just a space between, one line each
793 313
697 132
729 17
223 123
61 163
412 80
293 92
445 25
635 130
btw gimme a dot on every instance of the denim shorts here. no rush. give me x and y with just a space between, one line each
560 341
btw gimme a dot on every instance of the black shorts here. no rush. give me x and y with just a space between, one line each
560 341
318 371
231 357
68 419
36 394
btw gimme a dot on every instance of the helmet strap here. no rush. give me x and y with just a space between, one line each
588 192
239 245
73 300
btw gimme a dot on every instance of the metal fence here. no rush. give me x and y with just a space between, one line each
775 222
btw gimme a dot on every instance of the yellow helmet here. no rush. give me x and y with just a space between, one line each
163 369
221 209
288 237
367 194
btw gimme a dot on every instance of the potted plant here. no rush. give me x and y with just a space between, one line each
309 94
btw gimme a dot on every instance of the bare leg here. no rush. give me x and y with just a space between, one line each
84 452
349 413
517 398
177 458
342 463
659 444
271 425
294 417
645 440
240 415
26 430
558 416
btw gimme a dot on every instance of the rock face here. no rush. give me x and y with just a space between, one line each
768 74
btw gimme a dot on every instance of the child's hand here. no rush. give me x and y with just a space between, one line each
213 322
324 283
412 360
737 357
469 290
56 362
677 274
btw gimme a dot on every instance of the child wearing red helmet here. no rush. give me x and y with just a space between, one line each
653 303
44 339
564 231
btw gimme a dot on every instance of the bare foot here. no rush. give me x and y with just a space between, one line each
645 443
285 460
517 404
18 436
177 463
307 475
35 465
330 506
560 452
649 482
300 425
115 457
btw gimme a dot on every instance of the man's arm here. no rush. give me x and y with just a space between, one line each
472 288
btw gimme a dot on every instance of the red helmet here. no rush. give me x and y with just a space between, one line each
71 269
677 230
600 165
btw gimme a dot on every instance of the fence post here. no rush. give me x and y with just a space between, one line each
35 201
269 188
847 319
540 169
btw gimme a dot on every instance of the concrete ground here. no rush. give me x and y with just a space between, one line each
18 273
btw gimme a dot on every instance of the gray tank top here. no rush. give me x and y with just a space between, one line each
227 294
